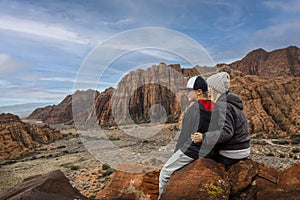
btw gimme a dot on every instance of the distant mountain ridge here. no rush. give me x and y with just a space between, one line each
137 94
22 110
280 62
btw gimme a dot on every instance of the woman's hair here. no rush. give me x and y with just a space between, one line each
205 94
214 95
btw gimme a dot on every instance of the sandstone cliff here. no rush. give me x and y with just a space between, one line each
18 138
281 62
271 104
152 95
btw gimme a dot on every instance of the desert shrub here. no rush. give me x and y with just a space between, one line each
296 150
282 142
107 173
105 166
260 142
270 154
74 167
66 151
291 155
295 138
273 136
49 156
295 157
282 155
295 141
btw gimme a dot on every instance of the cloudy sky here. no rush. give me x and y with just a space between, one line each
45 43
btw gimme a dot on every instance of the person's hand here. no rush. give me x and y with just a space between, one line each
197 137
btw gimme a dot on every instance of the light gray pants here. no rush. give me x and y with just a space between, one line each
175 162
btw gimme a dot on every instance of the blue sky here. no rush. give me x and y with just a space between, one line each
44 43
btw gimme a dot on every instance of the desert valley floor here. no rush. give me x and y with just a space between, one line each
89 175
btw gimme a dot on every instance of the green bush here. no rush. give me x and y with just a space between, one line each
296 150
105 166
107 173
270 154
282 142
295 138
74 167
282 155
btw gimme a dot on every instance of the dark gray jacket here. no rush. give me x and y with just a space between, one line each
234 133
198 118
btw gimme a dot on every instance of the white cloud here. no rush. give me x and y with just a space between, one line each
41 29
31 95
277 35
119 23
287 6
10 65
6 84
60 79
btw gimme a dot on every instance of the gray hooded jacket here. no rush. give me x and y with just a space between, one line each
234 134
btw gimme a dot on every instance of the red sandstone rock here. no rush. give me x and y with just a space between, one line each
206 179
132 182
271 105
50 186
281 62
18 138
202 179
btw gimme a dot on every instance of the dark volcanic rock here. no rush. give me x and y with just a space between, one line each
50 186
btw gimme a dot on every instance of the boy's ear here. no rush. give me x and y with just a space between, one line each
199 92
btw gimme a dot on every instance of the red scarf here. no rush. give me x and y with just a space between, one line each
207 104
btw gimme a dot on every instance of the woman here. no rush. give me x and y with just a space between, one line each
232 141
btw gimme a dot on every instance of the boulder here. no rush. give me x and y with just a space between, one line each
53 185
132 181
206 179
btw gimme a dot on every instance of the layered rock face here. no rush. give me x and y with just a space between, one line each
141 96
18 138
206 179
281 62
53 185
271 104
102 108
152 95
148 94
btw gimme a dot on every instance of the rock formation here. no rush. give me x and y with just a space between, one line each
18 138
206 179
152 95
281 62
271 104
132 182
53 185
62 113
102 108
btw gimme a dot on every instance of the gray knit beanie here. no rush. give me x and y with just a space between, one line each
219 82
